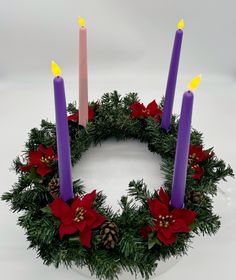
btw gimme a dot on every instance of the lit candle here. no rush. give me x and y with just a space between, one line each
83 74
62 131
182 147
172 77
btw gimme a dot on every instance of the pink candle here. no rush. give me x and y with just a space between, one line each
83 74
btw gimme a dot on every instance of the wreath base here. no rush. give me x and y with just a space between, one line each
134 244
162 267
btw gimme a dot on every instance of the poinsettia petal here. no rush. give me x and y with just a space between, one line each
194 148
163 239
68 218
67 229
164 197
176 213
138 110
77 203
90 113
198 172
197 176
90 216
137 106
154 110
201 154
81 225
93 218
157 208
25 168
99 219
59 208
159 112
35 157
47 152
136 114
187 215
88 199
191 149
179 226
42 149
152 106
166 231
145 231
43 170
73 118
85 237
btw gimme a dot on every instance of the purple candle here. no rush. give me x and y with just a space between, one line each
172 77
62 131
182 147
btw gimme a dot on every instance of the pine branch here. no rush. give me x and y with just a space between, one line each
138 190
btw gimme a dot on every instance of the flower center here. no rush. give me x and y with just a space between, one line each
165 221
195 166
192 158
79 214
146 111
47 160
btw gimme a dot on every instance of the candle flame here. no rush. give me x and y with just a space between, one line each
194 83
56 70
81 21
181 24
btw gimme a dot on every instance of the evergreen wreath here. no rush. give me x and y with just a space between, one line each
87 232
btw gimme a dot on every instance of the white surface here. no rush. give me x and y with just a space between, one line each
128 49
126 161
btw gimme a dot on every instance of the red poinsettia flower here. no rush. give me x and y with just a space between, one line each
196 156
198 172
167 221
80 217
41 159
75 117
140 111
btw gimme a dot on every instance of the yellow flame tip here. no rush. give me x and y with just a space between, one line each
194 83
81 21
56 70
181 24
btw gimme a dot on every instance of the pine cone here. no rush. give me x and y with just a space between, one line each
53 187
193 197
109 235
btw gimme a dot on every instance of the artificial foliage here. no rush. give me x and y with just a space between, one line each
86 231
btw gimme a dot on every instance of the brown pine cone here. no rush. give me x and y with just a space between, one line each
53 187
194 197
109 235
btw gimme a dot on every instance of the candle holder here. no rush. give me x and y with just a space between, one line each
87 232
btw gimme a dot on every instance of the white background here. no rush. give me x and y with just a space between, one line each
129 46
